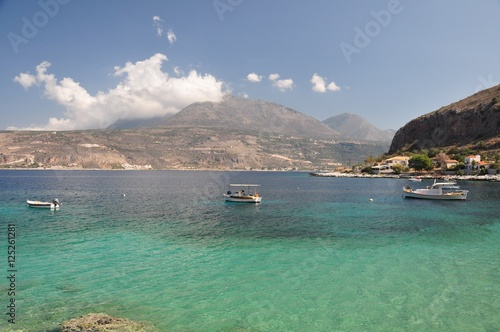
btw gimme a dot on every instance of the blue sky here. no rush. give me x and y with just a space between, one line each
75 64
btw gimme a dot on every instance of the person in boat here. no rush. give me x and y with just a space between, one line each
242 192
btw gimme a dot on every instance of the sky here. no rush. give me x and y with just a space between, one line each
84 64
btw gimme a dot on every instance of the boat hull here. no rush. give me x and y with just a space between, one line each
462 195
242 199
42 205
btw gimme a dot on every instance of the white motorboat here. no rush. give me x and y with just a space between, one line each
436 192
54 205
240 196
415 179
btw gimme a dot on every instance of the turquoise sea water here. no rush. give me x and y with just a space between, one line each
317 255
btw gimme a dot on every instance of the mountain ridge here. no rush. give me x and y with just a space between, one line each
353 126
249 115
472 121
236 133
264 117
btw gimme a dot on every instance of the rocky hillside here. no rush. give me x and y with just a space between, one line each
473 121
352 126
176 148
249 115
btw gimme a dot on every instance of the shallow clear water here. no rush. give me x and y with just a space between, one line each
317 255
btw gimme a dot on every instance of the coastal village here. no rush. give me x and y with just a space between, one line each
472 165
469 167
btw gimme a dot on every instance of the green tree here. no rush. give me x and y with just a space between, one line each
420 162
398 168
370 160
454 150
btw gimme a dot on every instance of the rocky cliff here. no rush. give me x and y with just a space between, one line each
471 121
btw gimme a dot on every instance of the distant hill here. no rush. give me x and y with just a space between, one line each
352 126
256 116
176 148
137 123
473 121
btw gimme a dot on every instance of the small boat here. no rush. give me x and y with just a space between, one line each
241 196
415 179
54 205
435 192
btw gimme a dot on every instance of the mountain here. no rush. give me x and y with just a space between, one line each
137 123
247 115
473 121
352 126
235 133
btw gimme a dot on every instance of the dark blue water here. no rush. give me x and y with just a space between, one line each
319 254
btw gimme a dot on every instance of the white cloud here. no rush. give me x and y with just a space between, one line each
144 92
157 22
171 36
26 80
319 84
273 77
254 78
284 84
333 87
281 84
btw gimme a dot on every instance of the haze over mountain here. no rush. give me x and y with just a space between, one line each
234 113
352 126
137 123
473 121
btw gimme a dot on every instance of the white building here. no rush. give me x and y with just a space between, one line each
401 160
472 162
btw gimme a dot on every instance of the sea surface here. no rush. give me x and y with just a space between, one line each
318 254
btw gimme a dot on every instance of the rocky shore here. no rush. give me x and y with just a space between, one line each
492 178
99 322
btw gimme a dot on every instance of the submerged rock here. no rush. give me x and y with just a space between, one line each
101 323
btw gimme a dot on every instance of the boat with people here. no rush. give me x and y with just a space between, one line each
436 191
240 196
53 205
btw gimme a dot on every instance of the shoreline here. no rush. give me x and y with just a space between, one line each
150 169
488 177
